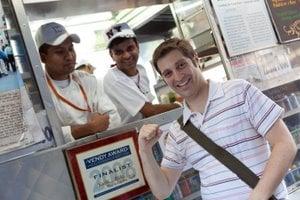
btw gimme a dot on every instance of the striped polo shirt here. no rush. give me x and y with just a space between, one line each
237 117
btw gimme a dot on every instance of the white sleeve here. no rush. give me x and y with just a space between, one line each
67 134
126 94
104 105
262 111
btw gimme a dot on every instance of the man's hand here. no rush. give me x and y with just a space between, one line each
161 180
148 136
98 122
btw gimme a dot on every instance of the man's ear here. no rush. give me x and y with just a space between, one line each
43 57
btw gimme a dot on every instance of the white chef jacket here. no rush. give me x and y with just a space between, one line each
97 100
128 96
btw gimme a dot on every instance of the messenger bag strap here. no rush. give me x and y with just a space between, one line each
226 158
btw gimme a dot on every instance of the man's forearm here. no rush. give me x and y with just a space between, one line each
281 158
81 130
156 179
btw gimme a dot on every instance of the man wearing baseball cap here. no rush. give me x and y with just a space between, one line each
81 107
126 83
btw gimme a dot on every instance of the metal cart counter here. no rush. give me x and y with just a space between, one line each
44 175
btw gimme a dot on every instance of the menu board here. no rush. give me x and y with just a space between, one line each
285 15
245 25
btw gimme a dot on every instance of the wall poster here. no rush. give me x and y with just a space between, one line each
245 25
285 15
108 168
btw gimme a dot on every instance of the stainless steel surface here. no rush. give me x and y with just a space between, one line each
40 177
21 152
45 175
64 8
153 22
149 22
160 119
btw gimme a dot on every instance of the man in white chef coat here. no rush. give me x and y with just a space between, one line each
126 83
81 107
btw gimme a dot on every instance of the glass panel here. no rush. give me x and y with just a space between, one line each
23 116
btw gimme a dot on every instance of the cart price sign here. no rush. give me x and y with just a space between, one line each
108 168
245 25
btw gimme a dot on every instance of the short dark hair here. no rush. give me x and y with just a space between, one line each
81 66
119 40
173 44
44 48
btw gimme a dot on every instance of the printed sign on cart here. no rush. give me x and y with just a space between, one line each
108 168
245 25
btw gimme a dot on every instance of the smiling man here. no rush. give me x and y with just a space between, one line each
127 83
235 115
81 107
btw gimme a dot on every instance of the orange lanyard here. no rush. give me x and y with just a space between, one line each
63 99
